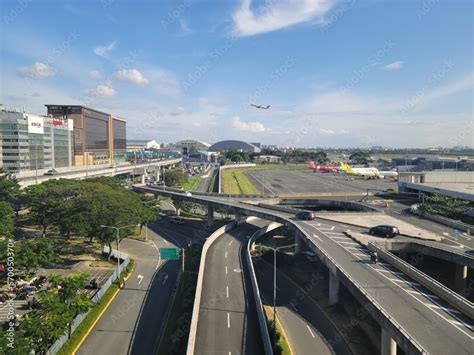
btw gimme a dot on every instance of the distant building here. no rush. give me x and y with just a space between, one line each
192 145
234 145
99 137
424 162
269 159
30 142
138 145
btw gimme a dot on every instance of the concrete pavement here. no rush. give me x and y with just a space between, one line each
307 327
133 321
228 322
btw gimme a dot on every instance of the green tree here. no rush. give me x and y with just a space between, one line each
7 217
9 187
360 157
174 178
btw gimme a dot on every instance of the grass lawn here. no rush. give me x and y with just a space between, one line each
192 183
282 341
96 310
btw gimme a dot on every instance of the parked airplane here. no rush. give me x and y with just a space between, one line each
368 173
323 168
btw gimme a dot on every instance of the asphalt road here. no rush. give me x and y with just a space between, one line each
133 322
434 324
228 322
306 181
205 181
307 327
440 328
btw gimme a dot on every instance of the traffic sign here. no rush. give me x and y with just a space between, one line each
169 253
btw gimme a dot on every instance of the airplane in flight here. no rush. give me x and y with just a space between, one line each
261 107
323 168
368 173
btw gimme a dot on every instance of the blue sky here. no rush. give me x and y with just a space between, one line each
336 73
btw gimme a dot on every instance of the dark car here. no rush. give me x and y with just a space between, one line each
384 231
306 215
51 172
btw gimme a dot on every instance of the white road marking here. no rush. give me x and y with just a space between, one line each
226 255
391 272
424 294
350 243
307 326
227 291
405 282
165 279
228 320
449 310
140 279
230 243
317 237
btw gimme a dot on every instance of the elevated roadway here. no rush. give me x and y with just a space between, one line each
228 322
410 316
82 172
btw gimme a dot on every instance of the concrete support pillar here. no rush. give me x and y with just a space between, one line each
210 215
177 205
157 175
143 179
460 278
238 216
333 288
298 242
388 345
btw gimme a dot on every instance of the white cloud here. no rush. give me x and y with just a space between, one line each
395 65
203 101
95 75
103 51
164 81
332 132
275 15
132 76
36 71
102 90
253 127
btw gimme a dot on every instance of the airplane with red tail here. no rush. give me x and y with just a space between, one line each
323 168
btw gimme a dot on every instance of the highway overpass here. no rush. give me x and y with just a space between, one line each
33 177
410 316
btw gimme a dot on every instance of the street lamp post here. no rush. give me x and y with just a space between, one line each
118 239
274 282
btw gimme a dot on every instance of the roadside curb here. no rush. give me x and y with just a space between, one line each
285 334
102 312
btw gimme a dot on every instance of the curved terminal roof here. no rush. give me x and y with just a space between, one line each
194 142
234 145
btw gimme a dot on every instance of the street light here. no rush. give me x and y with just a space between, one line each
274 282
118 238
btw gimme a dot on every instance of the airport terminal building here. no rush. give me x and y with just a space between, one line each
32 142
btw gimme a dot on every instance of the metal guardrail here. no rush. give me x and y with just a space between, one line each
78 320
454 299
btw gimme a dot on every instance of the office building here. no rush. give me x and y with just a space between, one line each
32 142
99 138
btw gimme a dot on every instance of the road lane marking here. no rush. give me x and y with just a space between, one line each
317 237
230 243
227 291
140 279
423 294
228 320
226 255
307 326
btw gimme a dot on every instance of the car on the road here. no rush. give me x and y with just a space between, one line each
384 230
177 220
470 252
306 215
51 172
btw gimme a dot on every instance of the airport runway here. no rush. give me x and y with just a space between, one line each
300 182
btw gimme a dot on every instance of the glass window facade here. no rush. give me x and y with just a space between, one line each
97 133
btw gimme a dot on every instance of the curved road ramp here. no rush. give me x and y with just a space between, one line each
225 318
